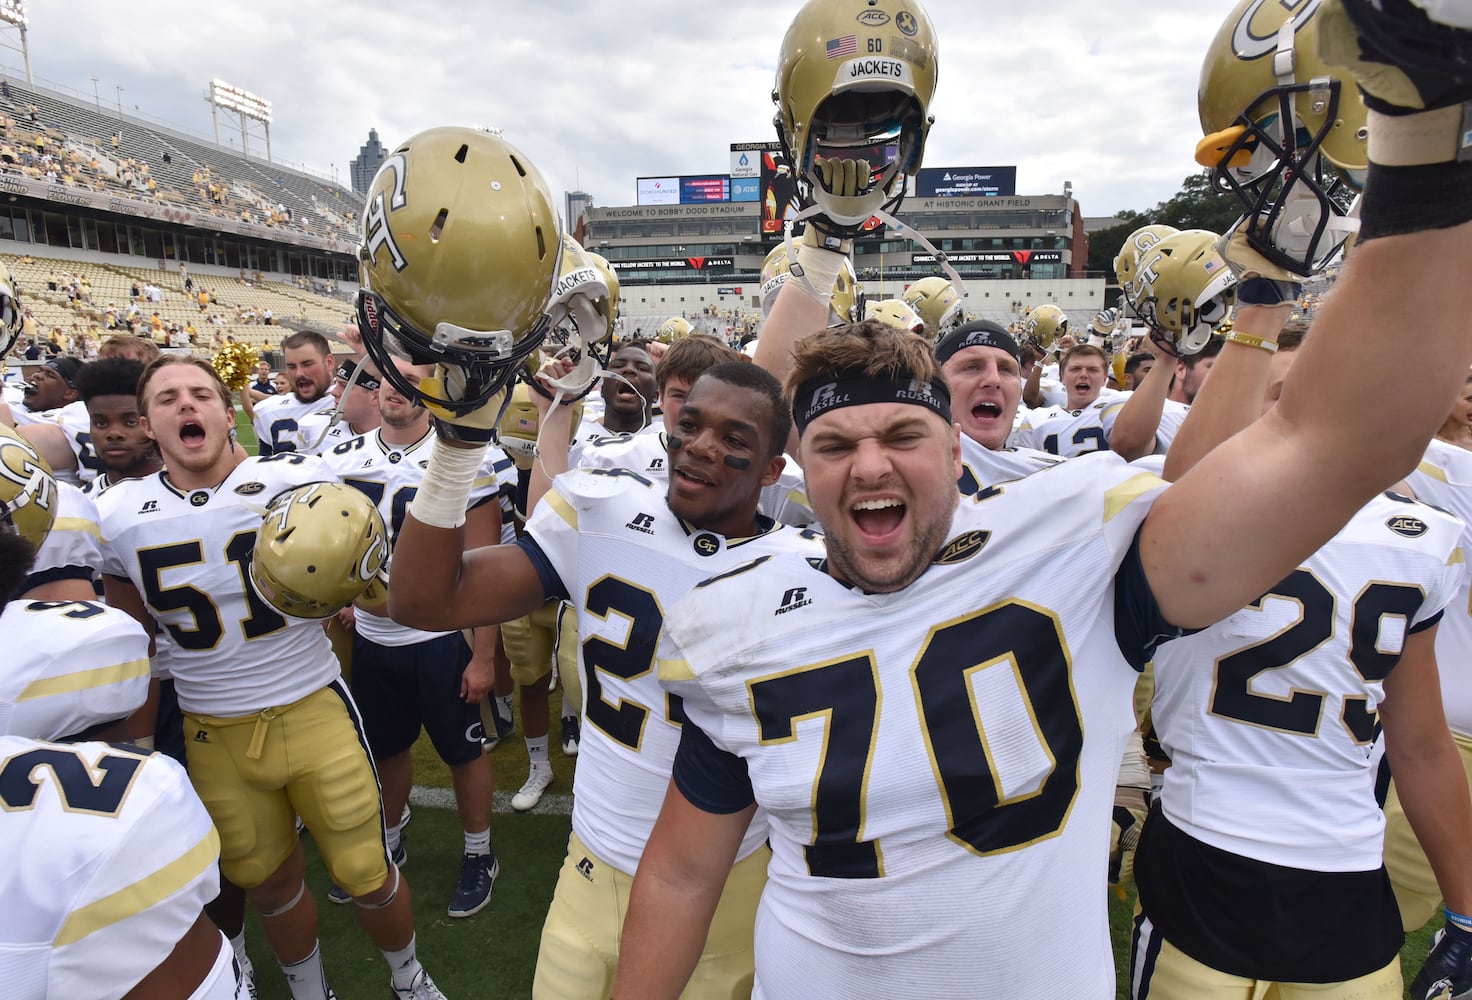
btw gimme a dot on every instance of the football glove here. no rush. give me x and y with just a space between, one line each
1404 61
1260 282
476 426
1448 968
1130 808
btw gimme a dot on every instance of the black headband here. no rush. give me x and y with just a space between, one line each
363 381
978 334
818 396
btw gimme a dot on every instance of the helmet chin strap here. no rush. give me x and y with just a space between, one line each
796 270
336 416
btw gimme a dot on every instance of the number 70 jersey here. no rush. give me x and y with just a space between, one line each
937 764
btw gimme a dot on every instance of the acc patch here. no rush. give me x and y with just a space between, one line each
1407 527
873 18
962 547
250 489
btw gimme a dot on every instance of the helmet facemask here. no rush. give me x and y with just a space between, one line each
1297 202
860 143
479 363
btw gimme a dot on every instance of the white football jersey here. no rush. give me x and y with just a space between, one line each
1062 432
76 424
390 475
938 763
1268 716
624 558
981 467
189 553
786 500
113 857
69 666
74 544
646 453
1444 479
1172 415
319 435
278 421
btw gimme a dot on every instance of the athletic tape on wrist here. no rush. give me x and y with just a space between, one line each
444 493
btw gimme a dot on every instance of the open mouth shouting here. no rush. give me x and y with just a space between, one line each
878 519
192 434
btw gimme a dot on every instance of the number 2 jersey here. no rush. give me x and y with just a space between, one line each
1268 716
389 475
188 553
938 764
112 858
622 557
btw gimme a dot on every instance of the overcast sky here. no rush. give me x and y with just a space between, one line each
1098 92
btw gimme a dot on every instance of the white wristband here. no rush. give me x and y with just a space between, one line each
444 493
820 267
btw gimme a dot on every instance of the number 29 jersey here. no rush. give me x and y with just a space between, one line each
188 553
1268 716
624 558
938 764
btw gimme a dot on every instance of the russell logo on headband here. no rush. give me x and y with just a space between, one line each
826 396
918 392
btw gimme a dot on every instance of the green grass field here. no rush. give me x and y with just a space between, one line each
492 955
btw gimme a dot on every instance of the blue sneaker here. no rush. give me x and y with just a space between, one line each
504 728
477 877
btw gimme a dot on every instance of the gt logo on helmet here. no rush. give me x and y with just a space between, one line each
376 232
1250 44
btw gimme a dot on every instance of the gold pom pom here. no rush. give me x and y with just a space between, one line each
236 365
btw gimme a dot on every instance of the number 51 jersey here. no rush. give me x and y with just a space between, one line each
938 764
188 553
624 557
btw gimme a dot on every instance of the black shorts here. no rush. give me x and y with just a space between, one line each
401 688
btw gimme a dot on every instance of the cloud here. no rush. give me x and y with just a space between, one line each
598 94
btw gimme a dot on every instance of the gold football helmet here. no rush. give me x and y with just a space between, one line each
897 314
520 424
609 312
28 498
854 82
1044 325
320 546
938 303
847 303
581 312
1127 261
460 253
1186 289
11 318
673 329
1273 111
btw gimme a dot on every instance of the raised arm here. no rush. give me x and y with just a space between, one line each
1133 434
1261 502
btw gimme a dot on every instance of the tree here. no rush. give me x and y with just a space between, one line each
1197 205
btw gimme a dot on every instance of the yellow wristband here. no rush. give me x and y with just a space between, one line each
1247 340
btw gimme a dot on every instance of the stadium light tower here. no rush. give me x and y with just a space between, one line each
15 14
248 106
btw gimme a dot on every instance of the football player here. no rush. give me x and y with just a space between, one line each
406 679
277 419
359 414
109 390
55 420
107 893
1076 427
619 547
1238 888
1146 421
937 636
272 732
